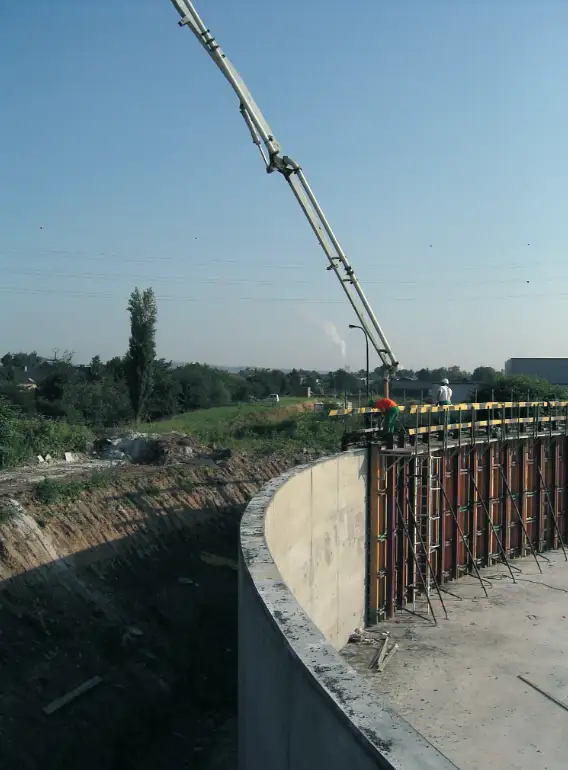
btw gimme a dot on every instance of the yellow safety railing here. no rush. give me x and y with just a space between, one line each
429 408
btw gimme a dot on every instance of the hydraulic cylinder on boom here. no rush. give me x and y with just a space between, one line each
274 160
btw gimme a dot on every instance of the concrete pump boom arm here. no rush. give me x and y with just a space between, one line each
269 148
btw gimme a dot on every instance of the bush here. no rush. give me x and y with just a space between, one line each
7 512
50 491
310 431
520 387
23 438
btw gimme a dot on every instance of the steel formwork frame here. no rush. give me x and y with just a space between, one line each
489 501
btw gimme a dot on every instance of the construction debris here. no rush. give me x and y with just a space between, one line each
382 654
147 448
376 655
379 640
359 636
382 665
70 696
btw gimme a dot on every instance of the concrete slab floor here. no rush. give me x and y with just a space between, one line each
457 682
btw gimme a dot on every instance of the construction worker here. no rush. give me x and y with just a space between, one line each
442 394
390 410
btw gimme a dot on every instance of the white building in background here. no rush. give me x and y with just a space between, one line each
555 370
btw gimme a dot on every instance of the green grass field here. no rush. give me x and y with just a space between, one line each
256 426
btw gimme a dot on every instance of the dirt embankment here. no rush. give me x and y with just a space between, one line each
135 584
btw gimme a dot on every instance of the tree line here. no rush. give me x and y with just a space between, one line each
139 386
455 374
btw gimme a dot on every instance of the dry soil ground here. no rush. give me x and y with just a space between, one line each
134 583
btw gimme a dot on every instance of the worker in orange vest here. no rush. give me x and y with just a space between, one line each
390 410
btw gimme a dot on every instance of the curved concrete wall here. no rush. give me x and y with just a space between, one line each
301 593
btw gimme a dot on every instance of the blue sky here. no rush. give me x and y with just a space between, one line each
432 131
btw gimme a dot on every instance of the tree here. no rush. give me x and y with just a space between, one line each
114 367
312 380
100 403
406 374
96 369
139 360
9 431
20 360
265 381
342 381
201 387
164 400
62 358
294 383
21 398
485 374
453 373
520 387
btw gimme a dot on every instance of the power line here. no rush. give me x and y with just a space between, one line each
101 256
270 282
298 300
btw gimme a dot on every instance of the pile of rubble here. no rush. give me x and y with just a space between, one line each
379 640
155 449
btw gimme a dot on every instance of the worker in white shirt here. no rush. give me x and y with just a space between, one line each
442 394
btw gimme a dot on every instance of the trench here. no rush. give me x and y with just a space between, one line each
135 585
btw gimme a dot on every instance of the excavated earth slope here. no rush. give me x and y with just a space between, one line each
136 584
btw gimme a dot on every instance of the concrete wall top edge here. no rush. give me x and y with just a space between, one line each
387 737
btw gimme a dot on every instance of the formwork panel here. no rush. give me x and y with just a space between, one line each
485 504
561 517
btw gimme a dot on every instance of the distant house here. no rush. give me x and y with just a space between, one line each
27 378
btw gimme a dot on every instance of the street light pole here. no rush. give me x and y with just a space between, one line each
355 326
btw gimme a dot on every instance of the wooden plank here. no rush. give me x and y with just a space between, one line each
70 696
388 657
